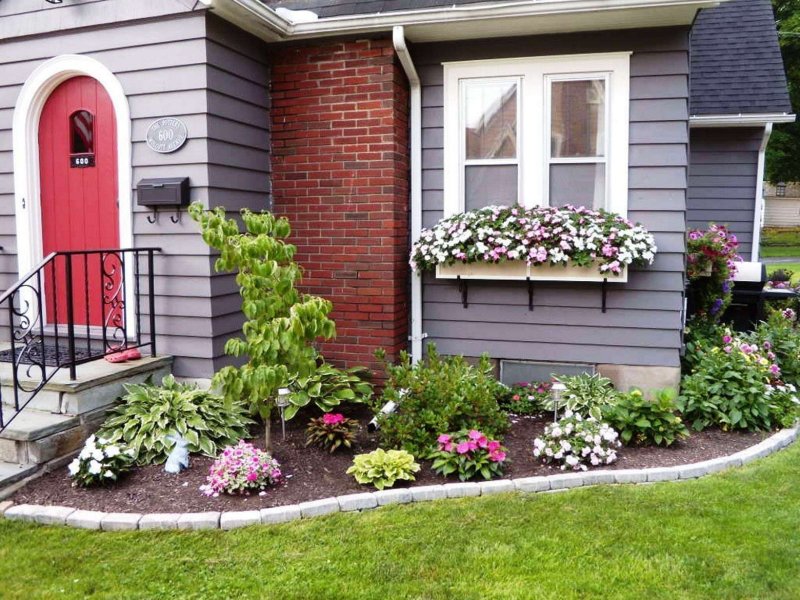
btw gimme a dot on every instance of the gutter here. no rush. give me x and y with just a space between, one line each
415 125
740 120
259 19
758 218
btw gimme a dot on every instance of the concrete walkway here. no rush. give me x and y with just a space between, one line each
780 259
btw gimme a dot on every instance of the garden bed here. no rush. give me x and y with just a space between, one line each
311 473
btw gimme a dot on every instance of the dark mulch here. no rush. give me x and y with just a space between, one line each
52 356
312 473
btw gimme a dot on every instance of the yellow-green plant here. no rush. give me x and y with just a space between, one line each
281 323
383 468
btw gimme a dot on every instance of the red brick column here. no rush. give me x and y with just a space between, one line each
340 174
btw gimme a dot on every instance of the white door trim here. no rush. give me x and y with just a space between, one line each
27 193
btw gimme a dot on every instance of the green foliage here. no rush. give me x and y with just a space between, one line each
524 398
726 389
781 336
586 394
468 454
382 469
331 432
435 395
149 414
784 404
327 387
700 336
646 422
783 152
280 322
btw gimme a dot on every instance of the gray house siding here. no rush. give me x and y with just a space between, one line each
643 322
190 66
723 170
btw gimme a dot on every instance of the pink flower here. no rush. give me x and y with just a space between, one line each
726 339
463 448
727 349
332 418
474 434
443 439
493 446
497 456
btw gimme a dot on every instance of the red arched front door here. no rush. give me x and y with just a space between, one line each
78 171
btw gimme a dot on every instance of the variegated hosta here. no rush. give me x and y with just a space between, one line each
541 235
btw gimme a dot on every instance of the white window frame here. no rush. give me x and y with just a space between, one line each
533 135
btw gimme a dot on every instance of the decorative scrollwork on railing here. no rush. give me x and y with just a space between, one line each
27 316
115 334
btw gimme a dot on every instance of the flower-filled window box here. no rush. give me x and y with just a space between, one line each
541 243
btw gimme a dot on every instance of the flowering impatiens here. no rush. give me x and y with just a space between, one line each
577 443
711 265
100 461
539 235
241 469
468 454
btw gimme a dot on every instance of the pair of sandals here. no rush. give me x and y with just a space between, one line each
124 356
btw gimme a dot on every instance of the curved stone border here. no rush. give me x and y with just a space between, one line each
88 519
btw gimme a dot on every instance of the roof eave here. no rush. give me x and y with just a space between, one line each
740 120
471 21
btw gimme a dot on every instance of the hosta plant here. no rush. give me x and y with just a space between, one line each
241 469
537 236
100 461
382 468
327 387
577 443
150 415
525 398
644 421
586 394
331 431
468 454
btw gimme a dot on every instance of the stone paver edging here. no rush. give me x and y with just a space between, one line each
88 519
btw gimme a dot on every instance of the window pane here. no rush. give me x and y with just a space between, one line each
490 185
81 126
578 118
578 184
490 118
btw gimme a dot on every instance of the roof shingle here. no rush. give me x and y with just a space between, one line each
737 66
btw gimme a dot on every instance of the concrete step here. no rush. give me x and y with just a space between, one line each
97 384
11 473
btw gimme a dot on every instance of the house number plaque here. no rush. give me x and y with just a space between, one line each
166 135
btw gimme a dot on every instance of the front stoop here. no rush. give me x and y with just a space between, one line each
64 413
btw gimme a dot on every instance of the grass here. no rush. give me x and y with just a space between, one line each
779 251
780 241
733 535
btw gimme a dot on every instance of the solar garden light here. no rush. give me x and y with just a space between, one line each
556 393
282 401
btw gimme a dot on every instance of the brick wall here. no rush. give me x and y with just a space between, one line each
340 174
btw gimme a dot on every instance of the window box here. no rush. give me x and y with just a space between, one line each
520 271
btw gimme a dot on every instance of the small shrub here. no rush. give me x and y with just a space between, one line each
241 469
468 454
149 414
585 394
781 275
728 388
331 431
328 387
435 395
779 336
647 422
99 462
382 468
525 398
577 443
784 405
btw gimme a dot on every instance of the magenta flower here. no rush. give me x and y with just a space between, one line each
497 456
463 448
443 439
474 434
726 339
493 446
332 418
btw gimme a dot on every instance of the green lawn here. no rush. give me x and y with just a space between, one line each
779 251
733 535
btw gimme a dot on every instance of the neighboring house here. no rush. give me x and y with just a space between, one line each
782 204
348 121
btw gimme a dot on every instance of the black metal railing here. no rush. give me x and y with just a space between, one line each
72 308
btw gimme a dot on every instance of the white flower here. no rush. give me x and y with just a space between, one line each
112 451
572 460
86 453
102 441
74 466
98 454
95 467
108 473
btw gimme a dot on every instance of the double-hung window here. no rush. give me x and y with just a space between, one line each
542 131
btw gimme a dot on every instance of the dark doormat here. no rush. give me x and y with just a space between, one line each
51 358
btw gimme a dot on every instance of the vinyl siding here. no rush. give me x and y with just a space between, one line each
193 67
643 321
722 180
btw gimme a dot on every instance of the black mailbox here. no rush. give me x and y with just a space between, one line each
166 191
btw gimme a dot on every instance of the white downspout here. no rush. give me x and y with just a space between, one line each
758 219
398 37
